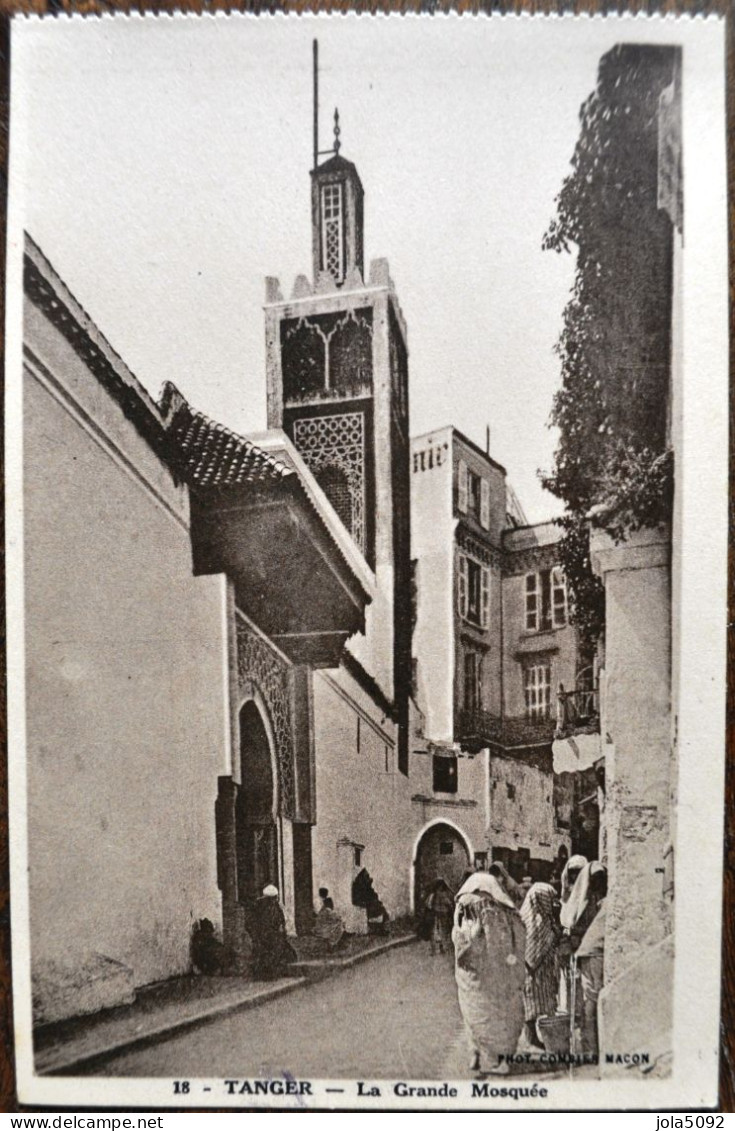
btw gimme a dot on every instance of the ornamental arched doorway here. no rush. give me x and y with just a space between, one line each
256 839
441 853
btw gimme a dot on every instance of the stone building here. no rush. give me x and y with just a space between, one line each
337 384
624 201
457 518
549 676
639 689
492 648
182 585
254 675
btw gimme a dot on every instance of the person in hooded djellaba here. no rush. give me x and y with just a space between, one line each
576 916
489 947
272 951
440 905
541 988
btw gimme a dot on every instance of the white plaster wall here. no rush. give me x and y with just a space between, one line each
126 688
466 808
361 796
466 811
376 652
635 1016
374 647
527 820
637 716
432 541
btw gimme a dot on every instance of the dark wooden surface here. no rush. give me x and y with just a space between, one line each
8 1100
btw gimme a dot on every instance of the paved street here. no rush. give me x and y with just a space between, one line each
392 1016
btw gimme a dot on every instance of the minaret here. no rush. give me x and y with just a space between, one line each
337 370
337 218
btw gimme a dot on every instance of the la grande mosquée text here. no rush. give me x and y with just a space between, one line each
362 1088
496 1087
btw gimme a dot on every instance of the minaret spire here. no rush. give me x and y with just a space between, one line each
336 206
316 102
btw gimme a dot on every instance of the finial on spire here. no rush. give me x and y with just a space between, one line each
337 131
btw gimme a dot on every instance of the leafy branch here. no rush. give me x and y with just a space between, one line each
614 348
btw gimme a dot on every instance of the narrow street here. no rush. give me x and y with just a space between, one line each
393 1016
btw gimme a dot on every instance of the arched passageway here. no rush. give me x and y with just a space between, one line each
440 854
256 840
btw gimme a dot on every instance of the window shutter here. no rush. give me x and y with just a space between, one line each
485 504
462 587
559 597
462 486
531 603
484 598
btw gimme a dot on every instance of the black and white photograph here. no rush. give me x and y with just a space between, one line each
366 425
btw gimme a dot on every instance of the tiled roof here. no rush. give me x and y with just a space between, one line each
210 455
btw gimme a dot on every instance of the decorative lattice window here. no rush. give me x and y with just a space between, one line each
336 486
333 231
537 688
303 359
333 448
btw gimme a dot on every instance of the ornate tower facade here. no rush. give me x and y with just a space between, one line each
337 372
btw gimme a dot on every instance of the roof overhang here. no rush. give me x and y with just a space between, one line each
280 447
290 576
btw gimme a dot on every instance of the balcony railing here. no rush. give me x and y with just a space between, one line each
476 728
578 711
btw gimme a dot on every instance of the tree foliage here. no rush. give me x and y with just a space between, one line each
614 348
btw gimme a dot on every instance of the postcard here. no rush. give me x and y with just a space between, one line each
367 527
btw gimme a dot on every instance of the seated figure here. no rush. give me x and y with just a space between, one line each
377 918
207 952
328 925
272 952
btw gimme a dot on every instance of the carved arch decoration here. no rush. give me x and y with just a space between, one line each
259 665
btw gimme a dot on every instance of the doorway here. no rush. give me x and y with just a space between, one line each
256 839
441 853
